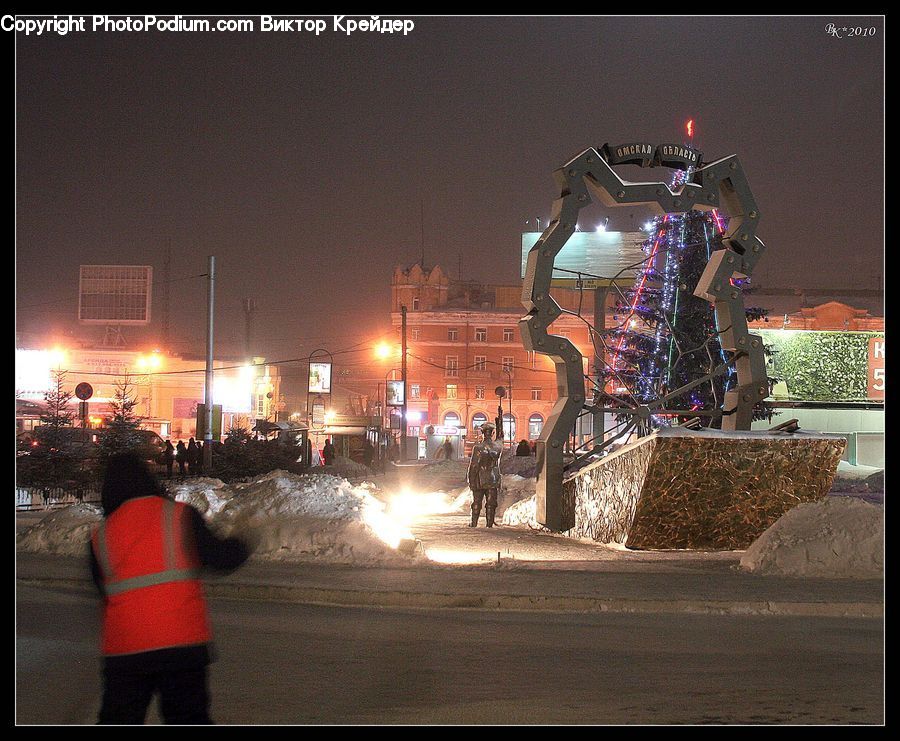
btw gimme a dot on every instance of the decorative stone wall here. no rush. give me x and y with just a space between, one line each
706 490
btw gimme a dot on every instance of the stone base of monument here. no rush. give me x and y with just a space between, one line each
704 490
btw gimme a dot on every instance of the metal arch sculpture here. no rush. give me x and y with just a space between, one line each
718 185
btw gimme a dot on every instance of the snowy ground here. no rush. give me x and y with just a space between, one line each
321 517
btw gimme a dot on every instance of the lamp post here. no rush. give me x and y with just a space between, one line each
501 394
389 376
403 374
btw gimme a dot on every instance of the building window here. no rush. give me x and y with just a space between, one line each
507 362
451 419
452 366
412 431
509 427
414 391
480 363
479 392
452 335
451 390
478 419
260 406
480 334
535 393
415 333
535 425
416 303
507 334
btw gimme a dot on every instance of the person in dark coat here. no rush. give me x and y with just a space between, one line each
162 616
523 448
368 454
328 452
200 449
181 457
192 457
169 457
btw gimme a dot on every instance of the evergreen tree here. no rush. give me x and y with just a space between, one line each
52 462
666 337
121 433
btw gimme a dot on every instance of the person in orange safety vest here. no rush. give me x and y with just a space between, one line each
146 558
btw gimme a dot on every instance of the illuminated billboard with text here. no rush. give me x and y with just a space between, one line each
320 378
394 394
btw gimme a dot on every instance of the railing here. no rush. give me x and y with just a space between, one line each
28 498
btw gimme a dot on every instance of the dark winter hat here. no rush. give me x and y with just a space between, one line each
126 477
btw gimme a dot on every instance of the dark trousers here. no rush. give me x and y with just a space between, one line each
184 697
488 496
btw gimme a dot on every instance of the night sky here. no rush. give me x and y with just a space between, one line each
303 163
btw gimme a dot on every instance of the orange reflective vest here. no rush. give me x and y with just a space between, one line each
149 566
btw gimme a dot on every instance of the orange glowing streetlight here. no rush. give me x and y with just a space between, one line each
382 351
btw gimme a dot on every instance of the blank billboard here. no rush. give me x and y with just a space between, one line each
607 254
114 294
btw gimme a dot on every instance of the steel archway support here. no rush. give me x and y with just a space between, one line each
718 185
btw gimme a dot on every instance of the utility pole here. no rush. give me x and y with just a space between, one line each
167 278
208 390
249 309
403 376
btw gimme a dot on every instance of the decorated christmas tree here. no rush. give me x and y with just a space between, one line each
664 337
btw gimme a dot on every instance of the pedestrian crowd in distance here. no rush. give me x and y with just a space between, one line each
188 457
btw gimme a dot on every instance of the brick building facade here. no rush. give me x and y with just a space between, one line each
463 342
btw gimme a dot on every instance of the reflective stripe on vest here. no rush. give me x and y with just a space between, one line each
169 574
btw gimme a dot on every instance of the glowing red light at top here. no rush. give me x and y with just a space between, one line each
690 129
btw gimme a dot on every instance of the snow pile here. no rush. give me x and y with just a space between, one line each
523 512
451 467
858 479
65 532
521 465
836 537
514 489
311 516
346 468
208 496
287 517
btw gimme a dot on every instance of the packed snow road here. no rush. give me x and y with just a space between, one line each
287 663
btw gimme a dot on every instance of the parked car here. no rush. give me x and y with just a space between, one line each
86 443
83 443
152 446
